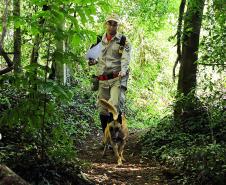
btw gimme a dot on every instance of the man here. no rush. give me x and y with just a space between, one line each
112 68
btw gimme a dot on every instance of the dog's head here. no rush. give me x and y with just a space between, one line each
115 127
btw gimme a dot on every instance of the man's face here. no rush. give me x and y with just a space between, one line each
112 27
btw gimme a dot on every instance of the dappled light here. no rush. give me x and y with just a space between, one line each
135 170
120 92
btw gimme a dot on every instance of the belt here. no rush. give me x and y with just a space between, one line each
108 76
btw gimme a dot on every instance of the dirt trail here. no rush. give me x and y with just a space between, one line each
135 171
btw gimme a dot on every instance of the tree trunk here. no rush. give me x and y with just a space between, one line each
190 45
35 50
60 71
17 38
58 66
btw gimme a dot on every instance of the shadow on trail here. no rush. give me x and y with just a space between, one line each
134 171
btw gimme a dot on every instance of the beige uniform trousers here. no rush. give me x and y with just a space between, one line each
114 92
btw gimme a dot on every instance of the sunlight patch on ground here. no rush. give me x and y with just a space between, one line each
112 168
98 178
103 173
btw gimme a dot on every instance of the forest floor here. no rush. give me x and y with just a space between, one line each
137 170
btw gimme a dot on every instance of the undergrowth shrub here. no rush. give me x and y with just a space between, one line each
198 157
42 127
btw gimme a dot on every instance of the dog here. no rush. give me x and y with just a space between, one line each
115 133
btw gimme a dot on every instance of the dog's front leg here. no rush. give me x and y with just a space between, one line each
104 152
105 143
115 149
121 148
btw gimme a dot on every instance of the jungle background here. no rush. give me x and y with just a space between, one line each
175 98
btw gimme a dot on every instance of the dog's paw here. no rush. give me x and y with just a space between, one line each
119 162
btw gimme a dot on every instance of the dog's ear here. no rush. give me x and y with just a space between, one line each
110 108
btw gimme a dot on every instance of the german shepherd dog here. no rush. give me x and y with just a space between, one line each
115 133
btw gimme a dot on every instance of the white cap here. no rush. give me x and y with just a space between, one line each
113 17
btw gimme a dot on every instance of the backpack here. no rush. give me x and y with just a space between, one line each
122 42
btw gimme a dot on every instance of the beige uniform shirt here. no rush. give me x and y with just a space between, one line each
110 60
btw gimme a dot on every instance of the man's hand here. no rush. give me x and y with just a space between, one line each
92 62
121 74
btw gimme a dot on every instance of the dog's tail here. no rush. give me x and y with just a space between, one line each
110 108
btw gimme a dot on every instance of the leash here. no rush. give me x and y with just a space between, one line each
120 88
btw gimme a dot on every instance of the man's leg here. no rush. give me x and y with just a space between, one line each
118 97
122 99
123 84
115 93
103 93
104 119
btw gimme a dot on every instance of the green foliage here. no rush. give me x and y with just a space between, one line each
44 109
35 110
46 117
37 113
43 127
151 89
149 15
214 36
194 149
62 20
209 162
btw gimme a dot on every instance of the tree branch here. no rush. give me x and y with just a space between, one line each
6 70
6 57
178 34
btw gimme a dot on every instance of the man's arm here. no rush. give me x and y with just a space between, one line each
125 60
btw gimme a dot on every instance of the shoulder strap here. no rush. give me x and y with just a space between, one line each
99 38
122 41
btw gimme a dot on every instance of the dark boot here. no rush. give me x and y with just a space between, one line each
110 118
104 120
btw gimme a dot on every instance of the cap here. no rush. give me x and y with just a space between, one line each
113 17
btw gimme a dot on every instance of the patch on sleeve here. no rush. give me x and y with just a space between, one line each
127 47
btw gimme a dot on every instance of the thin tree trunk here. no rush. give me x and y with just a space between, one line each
17 38
2 36
34 60
35 50
36 47
58 64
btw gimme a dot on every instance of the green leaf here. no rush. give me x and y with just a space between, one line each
35 30
38 2
82 16
76 40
